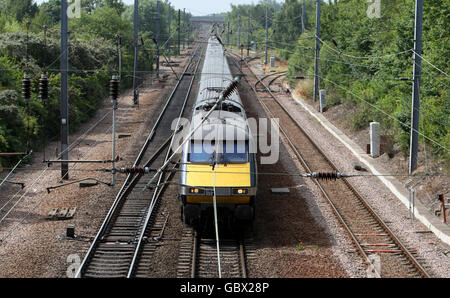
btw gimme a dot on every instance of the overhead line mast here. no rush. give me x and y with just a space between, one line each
169 41
303 16
267 35
248 33
316 67
64 63
184 28
136 49
158 33
239 30
415 113
179 31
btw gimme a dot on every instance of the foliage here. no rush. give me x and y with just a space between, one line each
369 87
257 14
20 9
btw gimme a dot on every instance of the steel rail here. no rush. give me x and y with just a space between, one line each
194 254
276 78
197 259
123 192
242 259
260 80
397 241
157 189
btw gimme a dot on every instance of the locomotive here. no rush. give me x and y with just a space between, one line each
218 159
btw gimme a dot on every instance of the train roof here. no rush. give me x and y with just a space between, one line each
215 76
220 125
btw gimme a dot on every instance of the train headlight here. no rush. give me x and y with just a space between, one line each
240 191
196 191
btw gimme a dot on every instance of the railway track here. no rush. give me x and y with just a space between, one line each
198 256
370 234
275 75
126 241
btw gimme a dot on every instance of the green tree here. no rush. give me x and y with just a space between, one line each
20 9
51 9
117 5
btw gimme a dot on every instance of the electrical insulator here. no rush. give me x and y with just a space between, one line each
135 170
114 88
136 96
327 176
43 88
26 88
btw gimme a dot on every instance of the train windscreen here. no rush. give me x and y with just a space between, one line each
207 152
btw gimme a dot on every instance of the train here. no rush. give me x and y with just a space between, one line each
219 157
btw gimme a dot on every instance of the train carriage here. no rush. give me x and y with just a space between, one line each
220 156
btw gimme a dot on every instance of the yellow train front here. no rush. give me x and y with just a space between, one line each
219 159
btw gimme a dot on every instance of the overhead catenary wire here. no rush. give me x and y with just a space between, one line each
337 52
346 63
289 44
317 175
386 56
360 78
178 73
227 92
20 199
69 148
366 57
272 47
309 48
335 61
40 169
216 223
97 71
14 168
434 66
387 114
399 53
41 175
